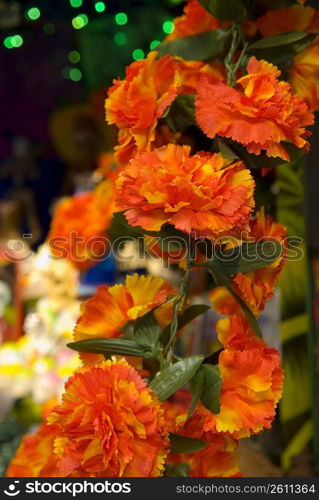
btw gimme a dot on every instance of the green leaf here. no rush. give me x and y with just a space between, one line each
108 347
226 150
191 313
229 10
181 113
184 444
282 52
180 470
203 46
175 376
278 40
212 386
263 161
246 257
147 331
297 444
196 385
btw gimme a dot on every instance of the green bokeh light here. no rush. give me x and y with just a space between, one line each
76 3
75 74
100 6
74 56
7 42
154 44
33 13
120 38
168 27
13 41
121 18
80 21
138 54
48 28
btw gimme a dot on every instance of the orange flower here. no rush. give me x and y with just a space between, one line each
136 104
255 287
106 314
35 457
304 75
109 424
195 20
260 116
79 224
292 18
251 380
197 194
218 459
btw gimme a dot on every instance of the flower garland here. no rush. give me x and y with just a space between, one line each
232 89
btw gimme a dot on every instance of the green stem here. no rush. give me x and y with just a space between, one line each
180 303
237 40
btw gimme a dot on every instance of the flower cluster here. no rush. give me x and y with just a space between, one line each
79 224
189 134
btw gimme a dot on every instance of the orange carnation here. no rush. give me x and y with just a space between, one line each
251 380
304 72
35 457
295 17
111 308
255 287
197 194
136 103
109 424
218 459
260 114
194 20
304 75
79 224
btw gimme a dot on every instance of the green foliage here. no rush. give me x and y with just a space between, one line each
184 444
200 47
108 347
175 376
232 10
180 470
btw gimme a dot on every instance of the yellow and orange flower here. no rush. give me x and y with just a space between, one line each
304 72
79 224
295 17
194 20
218 459
260 115
255 287
136 103
251 380
35 457
304 75
197 194
109 424
111 308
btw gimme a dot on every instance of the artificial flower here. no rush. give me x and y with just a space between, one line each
109 424
260 113
106 314
200 195
79 224
35 456
194 20
304 72
254 287
293 18
251 380
218 458
136 103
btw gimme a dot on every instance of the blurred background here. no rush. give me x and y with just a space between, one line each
57 60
